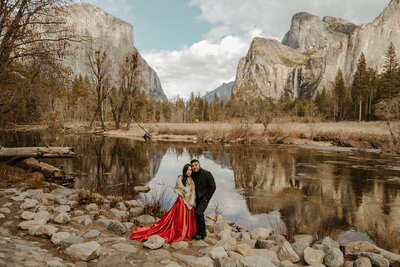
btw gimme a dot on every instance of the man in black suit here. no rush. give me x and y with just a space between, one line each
205 188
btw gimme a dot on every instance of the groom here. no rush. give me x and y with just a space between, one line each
204 187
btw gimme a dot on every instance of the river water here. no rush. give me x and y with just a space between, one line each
290 188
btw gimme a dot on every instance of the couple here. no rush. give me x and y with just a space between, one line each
185 220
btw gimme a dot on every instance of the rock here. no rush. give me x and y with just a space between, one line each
225 262
29 203
116 227
279 239
84 251
92 207
362 262
187 259
145 220
210 240
261 233
28 224
243 249
254 261
62 218
5 210
127 225
58 237
224 234
287 263
180 245
301 242
136 211
221 226
312 256
154 242
122 206
60 200
270 255
230 244
203 262
333 257
353 248
250 242
62 208
124 247
27 215
119 214
133 204
84 219
199 243
141 189
287 253
71 240
7 204
54 264
103 221
394 259
329 243
17 198
2 216
218 252
92 234
376 259
46 230
215 218
42 215
264 244
33 230
78 212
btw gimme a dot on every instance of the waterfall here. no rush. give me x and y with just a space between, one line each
295 81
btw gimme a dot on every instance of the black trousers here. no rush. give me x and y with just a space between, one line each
201 206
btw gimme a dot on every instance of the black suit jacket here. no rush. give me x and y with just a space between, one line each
204 184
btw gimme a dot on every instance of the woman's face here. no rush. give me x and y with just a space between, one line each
189 172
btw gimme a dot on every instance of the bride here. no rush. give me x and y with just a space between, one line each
179 223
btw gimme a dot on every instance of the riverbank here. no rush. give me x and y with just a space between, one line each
67 227
364 135
359 135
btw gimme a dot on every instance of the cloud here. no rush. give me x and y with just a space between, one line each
203 66
199 67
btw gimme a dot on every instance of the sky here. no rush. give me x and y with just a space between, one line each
195 45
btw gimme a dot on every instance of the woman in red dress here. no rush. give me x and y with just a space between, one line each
179 223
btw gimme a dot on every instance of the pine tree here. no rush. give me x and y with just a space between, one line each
340 92
390 80
359 87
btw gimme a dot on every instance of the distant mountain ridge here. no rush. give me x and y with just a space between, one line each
223 93
113 35
313 50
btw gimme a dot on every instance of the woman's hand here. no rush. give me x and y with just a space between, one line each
180 198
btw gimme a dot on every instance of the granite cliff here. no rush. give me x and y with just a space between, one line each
313 50
100 30
223 92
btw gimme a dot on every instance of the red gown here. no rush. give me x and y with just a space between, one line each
178 224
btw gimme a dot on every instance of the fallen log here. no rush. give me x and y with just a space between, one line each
47 169
36 152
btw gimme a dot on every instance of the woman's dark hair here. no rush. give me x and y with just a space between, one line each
185 168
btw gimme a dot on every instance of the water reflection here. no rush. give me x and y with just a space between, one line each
256 186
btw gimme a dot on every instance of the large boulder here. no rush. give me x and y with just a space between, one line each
313 256
287 253
84 251
116 227
154 242
243 249
218 252
261 233
253 261
60 236
145 220
333 257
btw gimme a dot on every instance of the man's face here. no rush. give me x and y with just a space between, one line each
195 166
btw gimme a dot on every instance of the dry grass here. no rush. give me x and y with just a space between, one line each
157 200
86 197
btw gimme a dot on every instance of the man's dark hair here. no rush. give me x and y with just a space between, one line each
194 160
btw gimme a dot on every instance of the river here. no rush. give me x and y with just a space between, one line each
291 188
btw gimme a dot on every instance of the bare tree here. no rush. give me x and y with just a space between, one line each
389 110
100 76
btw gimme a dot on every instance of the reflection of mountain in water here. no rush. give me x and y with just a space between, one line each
312 193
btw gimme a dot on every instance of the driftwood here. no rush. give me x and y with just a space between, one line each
147 135
36 152
47 169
